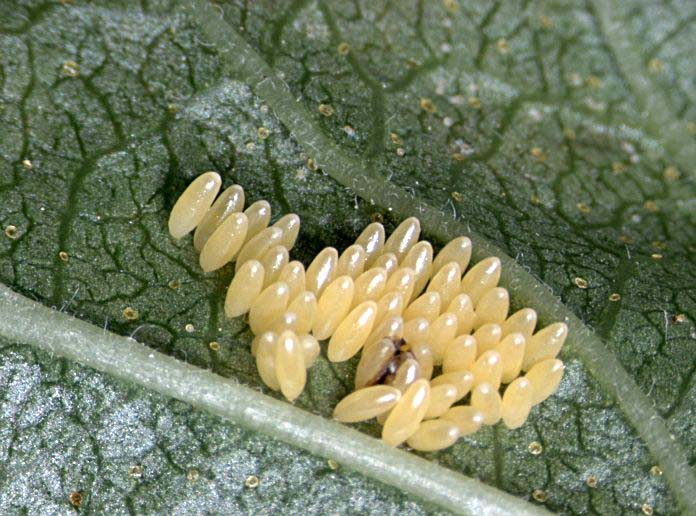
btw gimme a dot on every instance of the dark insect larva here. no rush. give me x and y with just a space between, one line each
409 312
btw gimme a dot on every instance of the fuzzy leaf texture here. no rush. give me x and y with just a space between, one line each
561 133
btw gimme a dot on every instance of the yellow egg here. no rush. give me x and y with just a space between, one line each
426 307
230 201
366 403
424 356
487 337
460 354
352 333
372 240
193 204
488 368
441 332
257 246
446 282
268 307
416 330
457 250
463 308
420 259
486 400
351 262
511 350
402 281
434 435
517 402
545 377
246 285
321 271
259 215
310 349
407 373
370 285
333 307
544 344
305 306
492 307
389 305
523 321
290 226
290 365
441 399
462 381
266 345
388 261
481 278
293 274
467 419
403 238
287 321
273 262
406 415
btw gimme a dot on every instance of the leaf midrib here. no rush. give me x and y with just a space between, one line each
242 61
29 322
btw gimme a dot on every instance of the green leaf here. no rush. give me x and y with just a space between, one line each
108 110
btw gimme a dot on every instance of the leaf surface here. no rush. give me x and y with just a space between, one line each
551 137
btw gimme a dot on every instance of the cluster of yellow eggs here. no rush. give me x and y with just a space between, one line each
410 312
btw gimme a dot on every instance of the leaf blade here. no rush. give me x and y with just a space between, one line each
348 171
